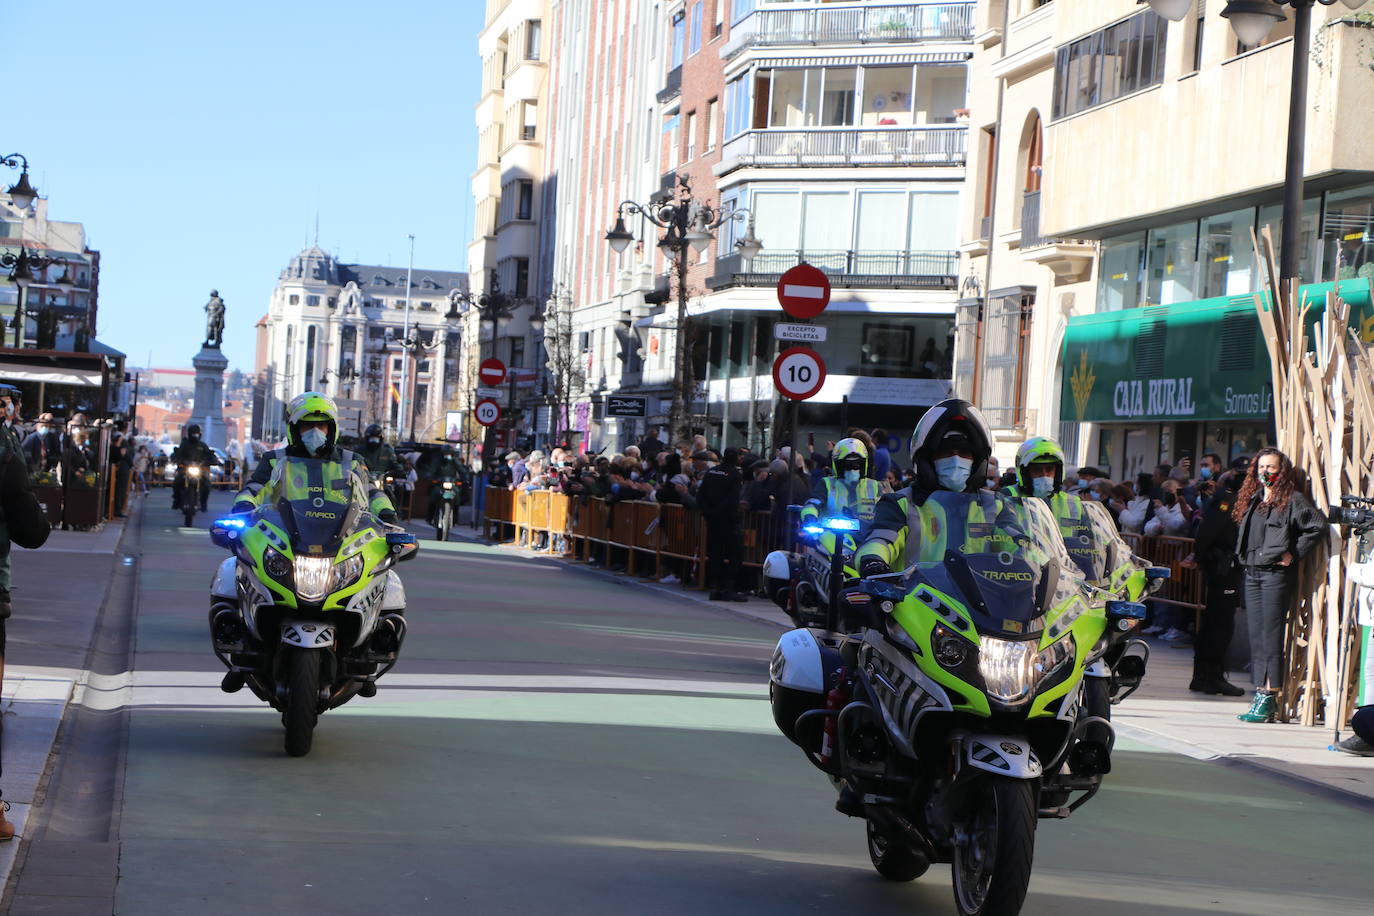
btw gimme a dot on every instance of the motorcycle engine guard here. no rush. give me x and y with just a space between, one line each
307 634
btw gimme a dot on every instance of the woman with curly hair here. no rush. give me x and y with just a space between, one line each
1278 527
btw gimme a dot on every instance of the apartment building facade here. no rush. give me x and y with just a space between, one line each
1123 164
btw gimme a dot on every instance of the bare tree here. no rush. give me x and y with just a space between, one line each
564 360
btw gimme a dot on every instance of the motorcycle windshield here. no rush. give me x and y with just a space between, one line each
1003 557
319 504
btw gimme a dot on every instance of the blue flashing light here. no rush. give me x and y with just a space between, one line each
840 523
812 529
230 522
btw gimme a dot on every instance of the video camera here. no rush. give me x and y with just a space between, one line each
1356 511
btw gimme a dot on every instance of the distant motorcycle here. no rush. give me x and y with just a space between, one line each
445 490
308 612
807 582
191 481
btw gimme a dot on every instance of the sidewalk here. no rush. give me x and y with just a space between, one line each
1163 713
32 705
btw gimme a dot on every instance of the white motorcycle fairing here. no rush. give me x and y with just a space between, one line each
1002 755
307 634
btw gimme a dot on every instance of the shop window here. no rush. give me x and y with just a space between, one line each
1227 254
1171 264
1348 234
1118 285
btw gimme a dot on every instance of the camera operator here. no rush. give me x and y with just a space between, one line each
1361 744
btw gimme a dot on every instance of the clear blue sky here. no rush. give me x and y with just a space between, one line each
197 141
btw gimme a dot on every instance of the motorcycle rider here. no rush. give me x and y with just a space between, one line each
192 451
312 432
1040 474
949 451
377 452
446 467
850 490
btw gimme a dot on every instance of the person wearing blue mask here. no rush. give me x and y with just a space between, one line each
849 490
1040 474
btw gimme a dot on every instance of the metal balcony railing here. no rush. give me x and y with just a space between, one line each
825 146
897 22
672 86
887 269
1030 220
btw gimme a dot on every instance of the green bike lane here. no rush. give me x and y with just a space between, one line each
555 740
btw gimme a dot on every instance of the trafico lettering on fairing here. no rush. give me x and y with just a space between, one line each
326 515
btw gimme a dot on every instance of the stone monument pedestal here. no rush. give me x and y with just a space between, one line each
208 409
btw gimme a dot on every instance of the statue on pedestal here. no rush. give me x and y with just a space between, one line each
214 320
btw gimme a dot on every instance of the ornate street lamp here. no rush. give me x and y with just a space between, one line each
688 225
21 192
23 269
1252 20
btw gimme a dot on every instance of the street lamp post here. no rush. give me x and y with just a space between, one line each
688 225
498 308
1252 21
21 192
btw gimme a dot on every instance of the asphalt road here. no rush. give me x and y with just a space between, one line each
556 741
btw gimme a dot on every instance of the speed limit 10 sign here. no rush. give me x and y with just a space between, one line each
798 373
487 412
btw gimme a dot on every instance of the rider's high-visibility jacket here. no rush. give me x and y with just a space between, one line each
1075 527
909 530
281 474
831 496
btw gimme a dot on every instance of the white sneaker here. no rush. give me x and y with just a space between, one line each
1152 631
670 579
1174 634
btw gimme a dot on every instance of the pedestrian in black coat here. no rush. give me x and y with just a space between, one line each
1214 552
718 499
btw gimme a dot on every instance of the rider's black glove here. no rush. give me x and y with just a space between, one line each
387 516
873 566
242 505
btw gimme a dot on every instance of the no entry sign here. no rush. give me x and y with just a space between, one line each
492 372
798 373
804 292
487 412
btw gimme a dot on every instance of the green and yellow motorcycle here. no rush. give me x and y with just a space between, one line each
947 706
308 612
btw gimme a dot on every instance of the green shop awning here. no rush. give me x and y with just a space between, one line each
1202 360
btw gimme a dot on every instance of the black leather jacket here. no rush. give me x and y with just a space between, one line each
1266 534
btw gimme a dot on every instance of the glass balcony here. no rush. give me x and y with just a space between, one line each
774 24
936 146
853 269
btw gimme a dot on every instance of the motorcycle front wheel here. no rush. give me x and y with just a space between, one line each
188 513
302 701
445 521
994 845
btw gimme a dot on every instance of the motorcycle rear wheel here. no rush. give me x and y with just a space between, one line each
893 857
302 701
992 860
188 512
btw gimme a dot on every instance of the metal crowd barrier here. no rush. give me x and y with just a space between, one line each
654 534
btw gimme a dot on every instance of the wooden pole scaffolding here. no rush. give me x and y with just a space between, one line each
1323 381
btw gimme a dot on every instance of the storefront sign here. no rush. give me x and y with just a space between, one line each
617 406
1203 360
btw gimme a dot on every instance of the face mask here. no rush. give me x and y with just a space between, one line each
851 477
991 483
42 430
194 437
1091 494
1042 486
1268 478
314 440
374 440
1205 473
953 472
9 409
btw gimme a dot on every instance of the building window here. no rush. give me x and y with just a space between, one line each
694 44
310 334
293 300
1199 28
1118 285
670 160
529 119
1226 257
1006 329
737 106
691 136
1348 234
312 300
711 125
522 277
720 19
1123 58
534 33
679 37
333 301
1171 273
524 207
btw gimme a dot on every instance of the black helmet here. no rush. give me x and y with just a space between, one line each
193 431
951 419
372 430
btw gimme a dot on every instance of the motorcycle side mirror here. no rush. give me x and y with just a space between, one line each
403 545
1158 572
1125 610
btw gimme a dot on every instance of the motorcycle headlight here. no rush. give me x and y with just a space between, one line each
950 651
277 566
1008 668
193 471
347 572
448 485
313 575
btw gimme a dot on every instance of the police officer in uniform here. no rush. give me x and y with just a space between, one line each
1040 474
1215 552
377 452
312 431
850 490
